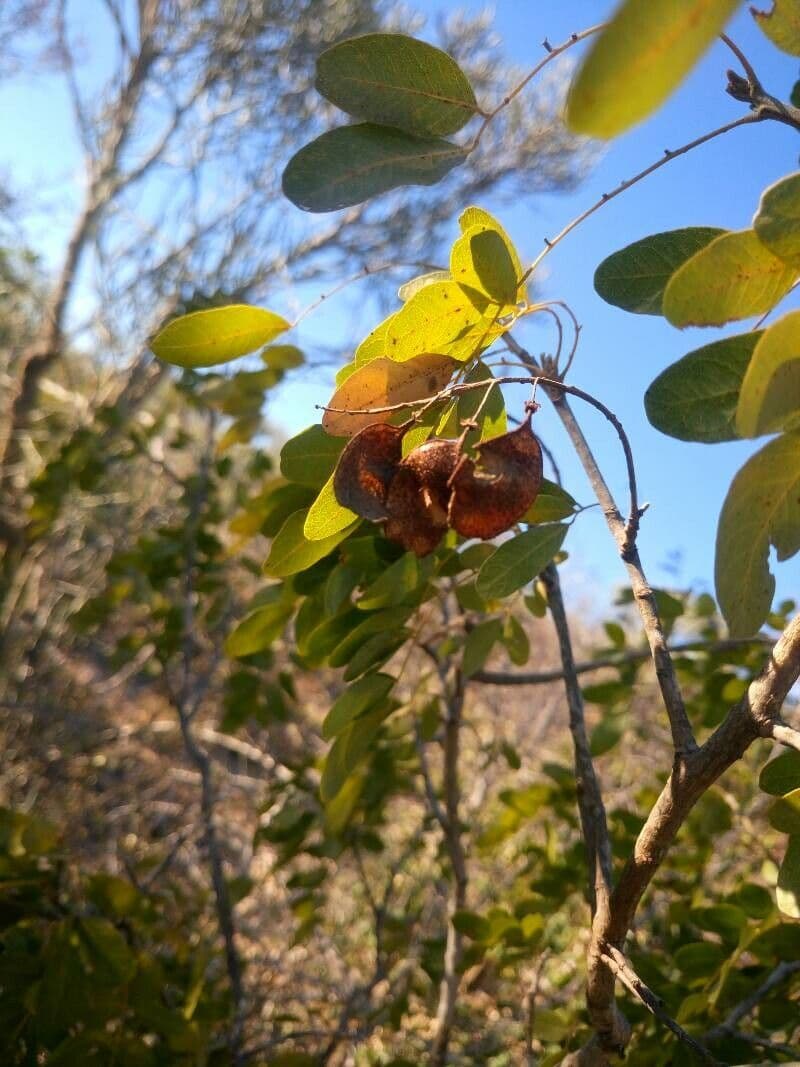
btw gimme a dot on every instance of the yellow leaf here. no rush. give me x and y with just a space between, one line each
769 399
639 59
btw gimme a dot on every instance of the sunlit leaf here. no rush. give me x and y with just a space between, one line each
695 399
205 338
639 59
413 285
762 508
784 813
291 552
354 163
326 516
734 277
777 221
309 457
781 23
473 217
788 891
518 560
480 261
381 383
396 80
439 318
770 395
373 345
635 277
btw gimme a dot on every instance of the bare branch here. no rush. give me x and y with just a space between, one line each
590 798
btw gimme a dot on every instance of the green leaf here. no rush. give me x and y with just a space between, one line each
358 698
777 220
260 628
492 420
516 641
518 560
788 892
604 737
282 357
781 775
695 399
439 318
635 277
762 507
733 277
472 925
310 457
639 59
291 552
354 163
479 643
551 504
397 584
326 516
217 335
770 395
784 813
112 960
348 750
781 24
700 959
396 80
480 260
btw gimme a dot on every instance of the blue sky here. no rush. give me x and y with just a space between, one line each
718 184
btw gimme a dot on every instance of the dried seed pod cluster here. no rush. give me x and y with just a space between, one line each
438 486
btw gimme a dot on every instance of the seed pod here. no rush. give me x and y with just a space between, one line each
366 467
419 494
490 494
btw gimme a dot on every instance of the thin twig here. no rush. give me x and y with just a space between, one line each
623 969
622 659
624 534
669 155
590 798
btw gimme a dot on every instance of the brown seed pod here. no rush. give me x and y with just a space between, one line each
490 494
366 467
418 496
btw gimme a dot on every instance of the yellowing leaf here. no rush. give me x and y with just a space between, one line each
481 262
781 24
639 59
769 399
777 221
439 318
326 516
374 344
734 277
380 383
762 508
216 335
